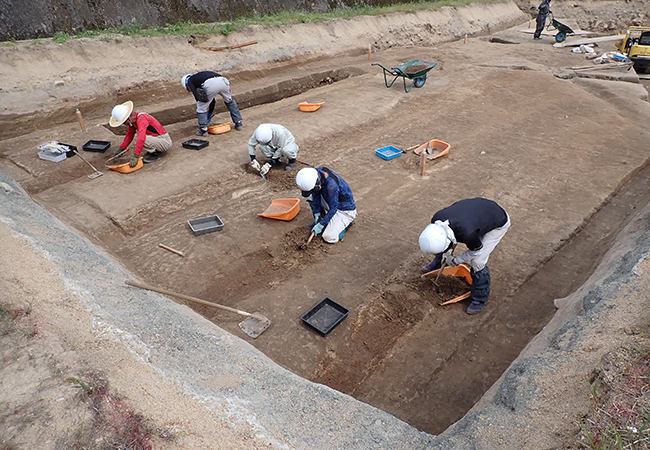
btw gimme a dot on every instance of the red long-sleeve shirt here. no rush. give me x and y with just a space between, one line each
145 125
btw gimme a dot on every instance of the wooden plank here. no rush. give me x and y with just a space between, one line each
228 47
576 42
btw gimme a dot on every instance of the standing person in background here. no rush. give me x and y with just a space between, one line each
205 86
275 141
478 223
544 10
152 138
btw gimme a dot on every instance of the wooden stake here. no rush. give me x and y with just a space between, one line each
423 162
172 250
369 51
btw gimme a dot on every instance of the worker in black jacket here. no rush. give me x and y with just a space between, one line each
544 10
205 86
478 223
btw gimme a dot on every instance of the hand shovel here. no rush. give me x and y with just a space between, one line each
311 236
253 325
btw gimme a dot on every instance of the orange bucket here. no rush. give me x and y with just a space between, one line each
282 209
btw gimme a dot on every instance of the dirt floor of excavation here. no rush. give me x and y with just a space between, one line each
398 349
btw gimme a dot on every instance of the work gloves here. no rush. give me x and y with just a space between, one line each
316 220
256 165
265 169
449 259
134 160
318 229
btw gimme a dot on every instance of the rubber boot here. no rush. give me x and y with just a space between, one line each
342 233
433 265
480 291
291 165
204 120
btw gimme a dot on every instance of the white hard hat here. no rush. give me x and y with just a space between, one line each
434 239
306 178
120 114
263 133
184 80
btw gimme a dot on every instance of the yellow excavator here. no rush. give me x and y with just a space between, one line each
636 45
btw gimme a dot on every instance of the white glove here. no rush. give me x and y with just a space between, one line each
265 168
255 165
449 260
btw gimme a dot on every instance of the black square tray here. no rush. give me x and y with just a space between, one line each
96 146
204 225
325 315
72 149
195 144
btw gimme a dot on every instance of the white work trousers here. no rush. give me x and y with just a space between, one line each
490 240
339 222
213 87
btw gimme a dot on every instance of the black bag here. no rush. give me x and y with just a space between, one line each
202 95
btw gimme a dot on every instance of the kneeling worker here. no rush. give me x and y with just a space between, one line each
478 223
331 202
152 138
275 141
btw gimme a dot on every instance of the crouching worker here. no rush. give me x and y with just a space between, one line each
331 202
275 141
152 138
478 223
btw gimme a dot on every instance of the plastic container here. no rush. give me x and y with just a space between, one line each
282 209
219 129
204 225
96 146
195 144
388 153
325 315
309 107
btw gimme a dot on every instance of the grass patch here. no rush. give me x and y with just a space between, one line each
18 320
114 423
620 417
283 18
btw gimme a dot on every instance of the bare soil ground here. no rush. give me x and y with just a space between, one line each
551 147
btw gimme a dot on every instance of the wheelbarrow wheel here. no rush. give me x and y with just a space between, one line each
560 36
419 82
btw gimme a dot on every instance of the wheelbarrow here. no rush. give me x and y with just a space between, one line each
562 30
415 70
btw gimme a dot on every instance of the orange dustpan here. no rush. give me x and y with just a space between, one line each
126 168
438 149
282 209
460 271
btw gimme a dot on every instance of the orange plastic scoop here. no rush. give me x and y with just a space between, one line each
439 148
461 271
309 107
125 168
282 209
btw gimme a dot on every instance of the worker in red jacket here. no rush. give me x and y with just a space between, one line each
152 138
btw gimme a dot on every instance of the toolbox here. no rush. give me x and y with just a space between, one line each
204 225
195 144
96 146
325 315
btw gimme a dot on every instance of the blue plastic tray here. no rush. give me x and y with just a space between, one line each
389 152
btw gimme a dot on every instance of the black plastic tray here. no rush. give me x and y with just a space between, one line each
195 144
325 315
204 225
70 153
96 146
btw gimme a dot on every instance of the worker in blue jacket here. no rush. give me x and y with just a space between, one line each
544 10
331 202
478 223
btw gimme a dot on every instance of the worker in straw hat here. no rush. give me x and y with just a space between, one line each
331 202
152 138
276 142
478 223
205 86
